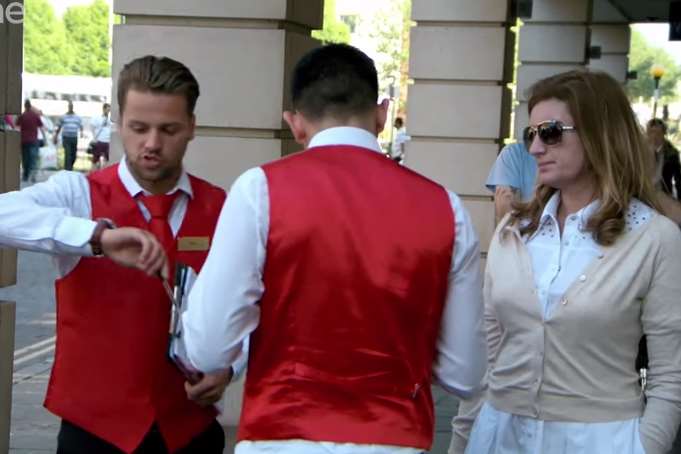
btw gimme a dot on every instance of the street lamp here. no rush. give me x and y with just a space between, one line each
657 72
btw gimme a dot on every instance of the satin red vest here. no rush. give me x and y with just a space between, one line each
111 375
358 257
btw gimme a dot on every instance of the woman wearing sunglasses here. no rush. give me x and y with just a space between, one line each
574 278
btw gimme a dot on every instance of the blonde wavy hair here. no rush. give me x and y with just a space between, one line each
615 149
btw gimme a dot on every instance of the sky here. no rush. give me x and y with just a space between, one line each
658 35
60 6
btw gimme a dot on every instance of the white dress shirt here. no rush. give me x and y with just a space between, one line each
55 216
223 309
101 129
558 261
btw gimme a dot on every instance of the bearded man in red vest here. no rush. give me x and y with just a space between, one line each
111 382
356 279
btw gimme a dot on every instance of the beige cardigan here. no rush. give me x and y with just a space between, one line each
579 364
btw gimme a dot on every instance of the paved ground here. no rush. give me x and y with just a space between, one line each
33 429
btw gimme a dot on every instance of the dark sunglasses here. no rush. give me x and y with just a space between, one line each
549 132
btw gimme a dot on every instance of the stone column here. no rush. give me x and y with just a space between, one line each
458 113
7 314
11 54
610 35
459 105
241 52
552 41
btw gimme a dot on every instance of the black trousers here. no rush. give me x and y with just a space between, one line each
74 440
70 151
30 154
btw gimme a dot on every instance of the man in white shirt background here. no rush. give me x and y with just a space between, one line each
101 136
400 140
354 300
111 382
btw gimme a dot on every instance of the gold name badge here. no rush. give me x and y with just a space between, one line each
193 243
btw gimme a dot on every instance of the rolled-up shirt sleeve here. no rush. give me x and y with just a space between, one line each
506 171
461 358
222 308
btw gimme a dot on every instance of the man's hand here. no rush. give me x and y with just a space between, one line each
209 390
504 196
135 248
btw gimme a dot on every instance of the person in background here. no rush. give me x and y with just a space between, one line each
70 126
573 279
354 300
512 178
7 122
668 164
101 136
29 123
400 140
112 383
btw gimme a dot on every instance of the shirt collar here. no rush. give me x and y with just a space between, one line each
133 187
345 135
551 211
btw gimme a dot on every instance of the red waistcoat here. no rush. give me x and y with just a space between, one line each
358 256
111 375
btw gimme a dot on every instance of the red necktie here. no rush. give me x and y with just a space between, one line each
159 207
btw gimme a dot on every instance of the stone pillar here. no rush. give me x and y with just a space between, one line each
7 314
552 41
241 52
458 107
610 35
11 54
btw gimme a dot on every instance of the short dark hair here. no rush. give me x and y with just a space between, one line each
335 80
657 123
27 104
400 121
161 75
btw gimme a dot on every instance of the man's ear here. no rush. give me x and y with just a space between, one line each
297 124
382 115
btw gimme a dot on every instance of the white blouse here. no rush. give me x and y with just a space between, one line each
558 261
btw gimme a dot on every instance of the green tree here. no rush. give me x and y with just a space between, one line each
334 31
45 46
87 31
390 29
642 58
